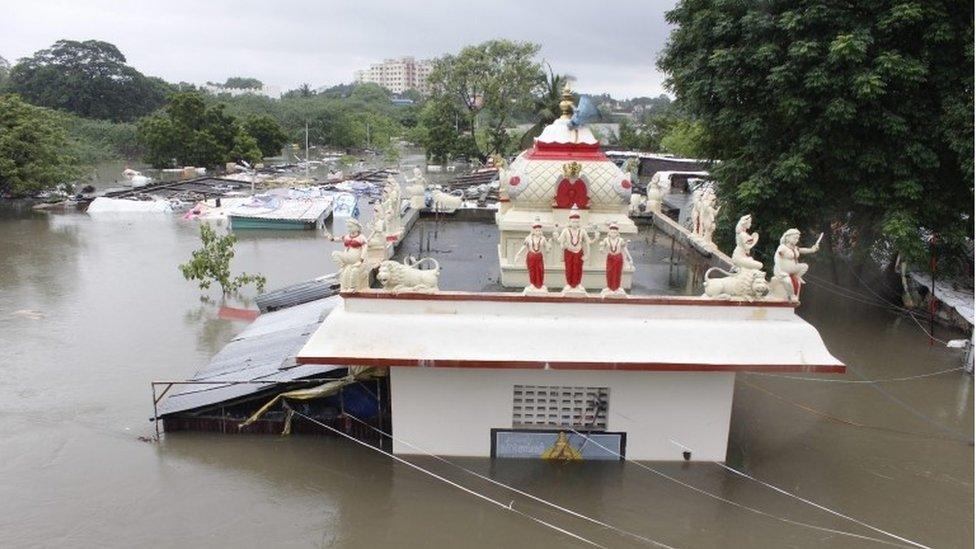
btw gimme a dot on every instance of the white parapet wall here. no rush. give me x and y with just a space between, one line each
451 411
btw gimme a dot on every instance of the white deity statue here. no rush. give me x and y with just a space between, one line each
353 270
696 204
417 189
377 236
655 195
744 242
575 242
787 270
708 214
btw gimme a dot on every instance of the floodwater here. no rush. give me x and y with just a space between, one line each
91 310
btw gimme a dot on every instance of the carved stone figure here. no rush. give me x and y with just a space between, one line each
353 269
617 252
535 246
575 242
744 242
416 189
787 270
377 237
746 284
696 203
655 195
407 276
708 214
636 201
446 202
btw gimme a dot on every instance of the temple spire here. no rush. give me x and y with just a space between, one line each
566 105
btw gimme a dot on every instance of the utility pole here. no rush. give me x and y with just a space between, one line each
306 148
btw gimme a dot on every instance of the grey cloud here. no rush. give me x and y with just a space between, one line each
608 46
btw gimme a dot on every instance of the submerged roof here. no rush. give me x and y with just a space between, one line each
507 330
264 351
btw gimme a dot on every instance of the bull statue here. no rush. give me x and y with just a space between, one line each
446 202
747 284
407 276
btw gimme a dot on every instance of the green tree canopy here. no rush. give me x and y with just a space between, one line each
847 115
490 81
245 83
545 104
4 70
33 148
268 133
193 134
89 78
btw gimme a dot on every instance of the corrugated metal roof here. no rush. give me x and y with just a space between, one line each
265 351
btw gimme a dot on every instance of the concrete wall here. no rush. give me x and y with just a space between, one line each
451 411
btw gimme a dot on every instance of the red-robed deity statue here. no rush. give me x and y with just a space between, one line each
534 247
575 242
571 190
617 253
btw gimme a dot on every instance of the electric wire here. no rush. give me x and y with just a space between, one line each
854 381
512 488
510 507
735 503
852 423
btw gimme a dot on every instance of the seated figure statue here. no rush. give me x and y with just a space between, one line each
744 242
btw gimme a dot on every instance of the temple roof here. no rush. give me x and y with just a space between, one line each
560 132
484 330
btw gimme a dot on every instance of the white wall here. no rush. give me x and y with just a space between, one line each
450 411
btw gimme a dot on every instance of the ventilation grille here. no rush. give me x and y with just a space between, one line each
545 407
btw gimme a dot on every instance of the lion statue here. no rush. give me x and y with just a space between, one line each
746 284
407 276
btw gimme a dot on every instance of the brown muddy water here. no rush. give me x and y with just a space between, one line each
91 310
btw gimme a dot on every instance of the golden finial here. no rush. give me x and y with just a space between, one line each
566 105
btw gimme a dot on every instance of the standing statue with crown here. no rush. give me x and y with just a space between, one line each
575 242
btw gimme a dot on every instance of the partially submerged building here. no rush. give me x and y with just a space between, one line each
575 375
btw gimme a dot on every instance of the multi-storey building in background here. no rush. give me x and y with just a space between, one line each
398 75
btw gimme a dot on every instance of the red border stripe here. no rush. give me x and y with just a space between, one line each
556 298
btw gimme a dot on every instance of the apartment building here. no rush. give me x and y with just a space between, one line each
398 75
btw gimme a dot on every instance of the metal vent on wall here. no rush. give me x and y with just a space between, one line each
547 406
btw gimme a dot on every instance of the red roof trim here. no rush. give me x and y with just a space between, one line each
565 151
600 366
557 298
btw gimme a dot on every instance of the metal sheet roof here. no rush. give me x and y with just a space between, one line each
264 351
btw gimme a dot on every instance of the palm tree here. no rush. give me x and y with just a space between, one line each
545 104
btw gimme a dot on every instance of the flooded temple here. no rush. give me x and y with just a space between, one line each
556 356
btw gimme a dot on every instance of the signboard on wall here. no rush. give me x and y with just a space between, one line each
557 444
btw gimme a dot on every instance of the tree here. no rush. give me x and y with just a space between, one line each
4 70
825 114
193 134
34 148
439 137
211 263
545 104
243 83
89 78
268 133
489 81
684 138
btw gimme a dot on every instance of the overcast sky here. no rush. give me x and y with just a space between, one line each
607 45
